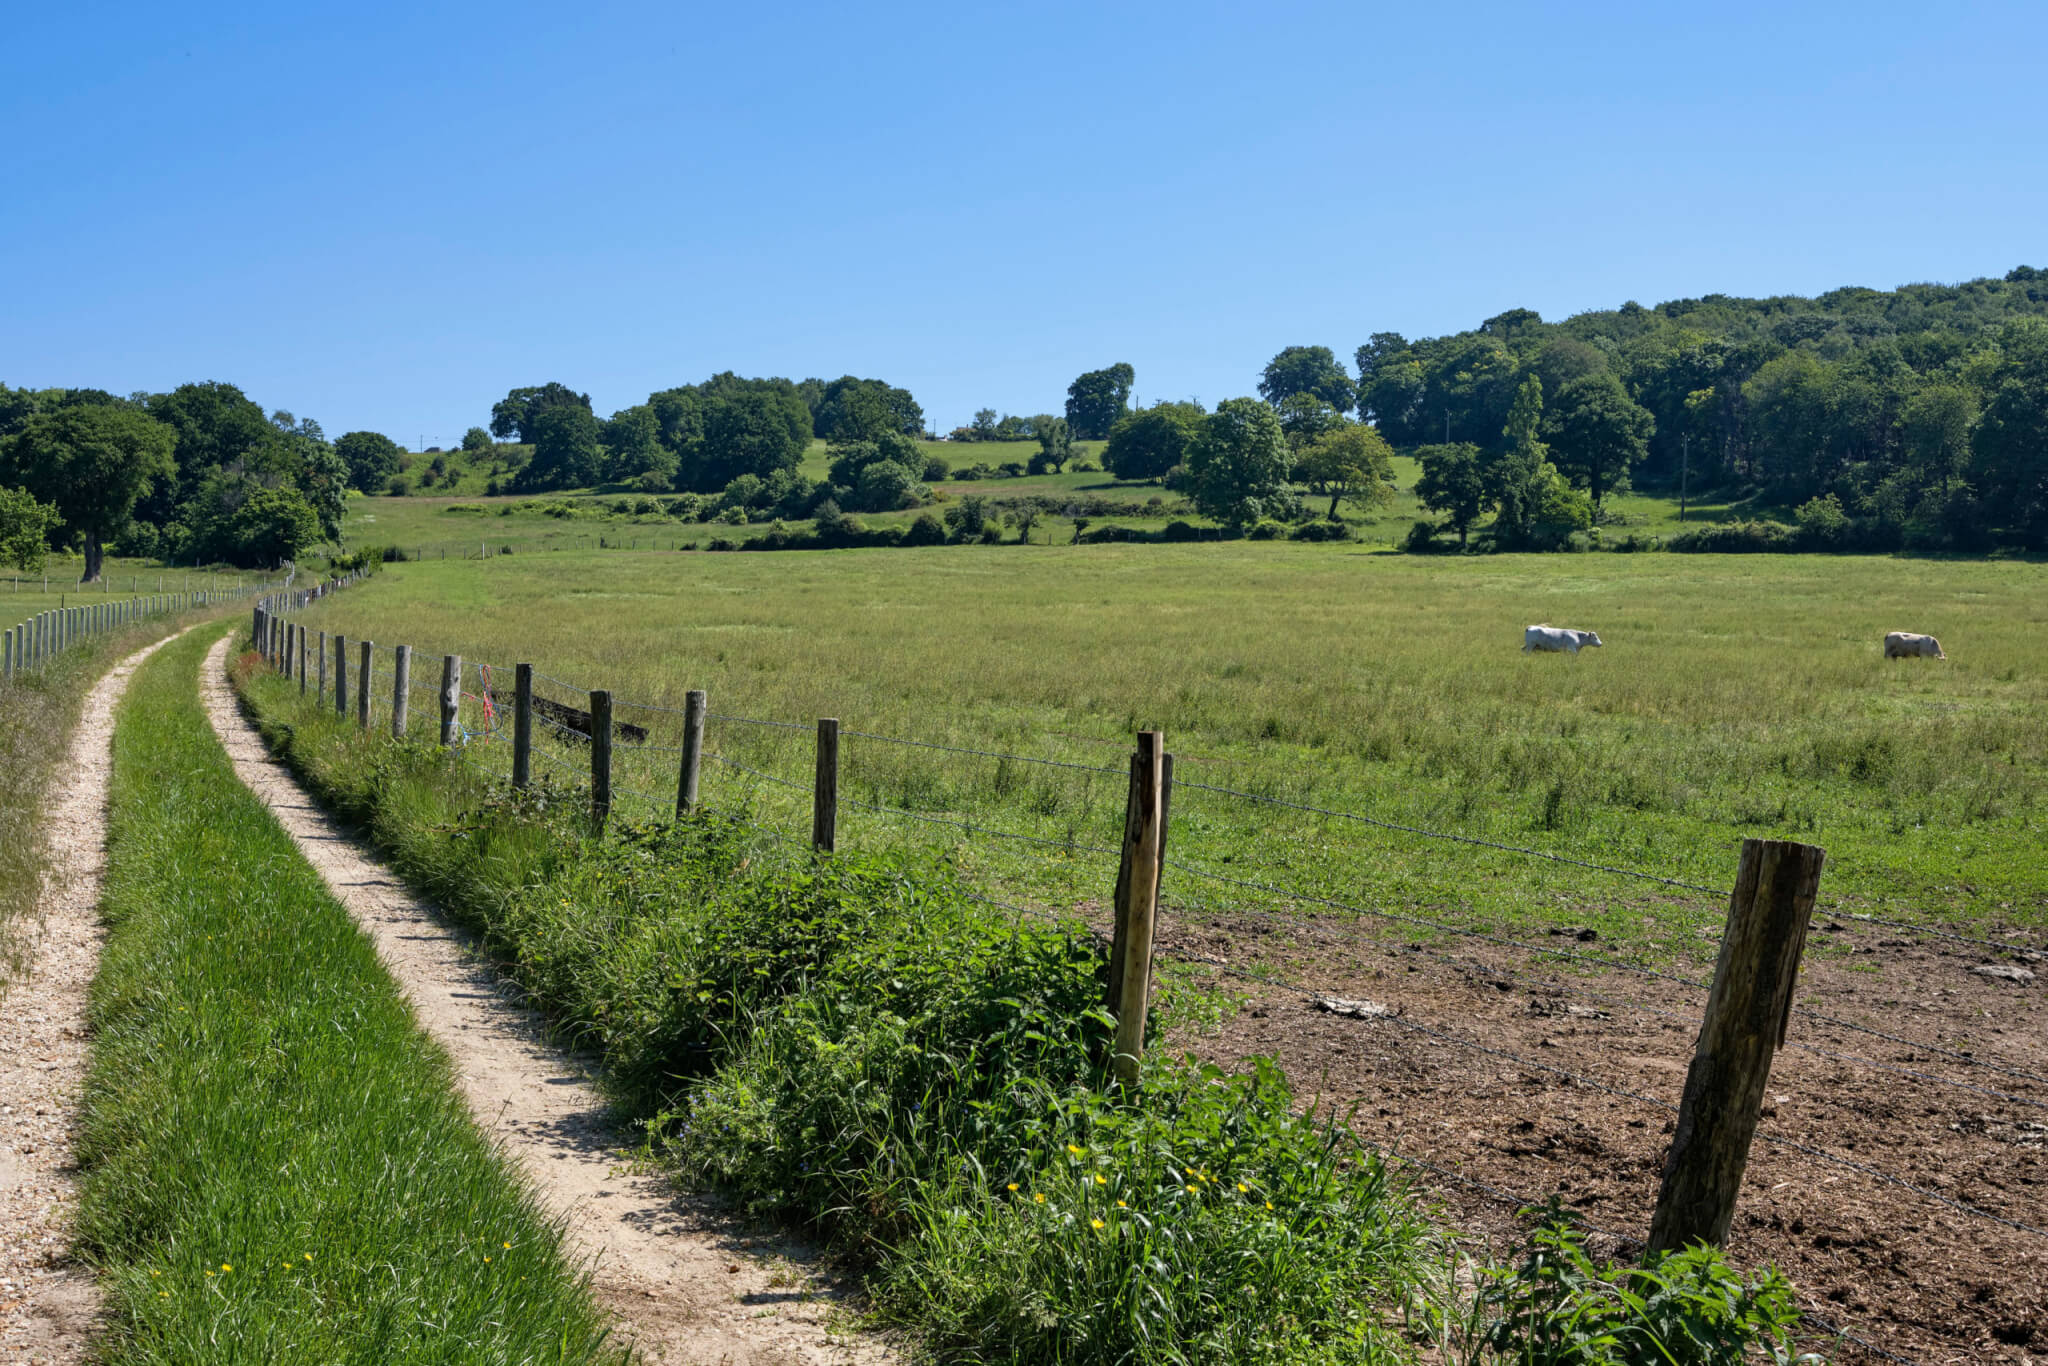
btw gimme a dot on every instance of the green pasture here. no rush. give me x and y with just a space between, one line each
1735 696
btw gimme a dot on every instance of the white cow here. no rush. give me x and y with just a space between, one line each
1907 645
1557 638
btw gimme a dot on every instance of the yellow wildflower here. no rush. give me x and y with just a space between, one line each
1074 1150
1013 1185
1038 1199
1243 1189
225 1267
1121 1205
1096 1222
1101 1180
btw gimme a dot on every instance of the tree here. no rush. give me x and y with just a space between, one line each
517 415
1936 425
567 453
25 527
1055 446
753 430
2011 443
1097 399
1306 418
1454 484
1146 444
92 463
984 427
1516 477
371 457
270 526
1238 462
1348 463
1598 433
476 439
851 409
633 452
1308 370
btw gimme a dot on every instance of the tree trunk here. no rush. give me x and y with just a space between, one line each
95 556
1333 505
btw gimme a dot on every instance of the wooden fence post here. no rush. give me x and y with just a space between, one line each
305 650
320 689
451 699
1112 998
693 751
341 676
522 724
1136 910
600 757
401 690
1747 1013
825 790
368 651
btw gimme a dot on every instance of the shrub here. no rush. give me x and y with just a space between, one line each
926 530
399 486
1183 531
1265 529
1421 539
1320 531
936 468
1736 538
721 543
991 534
1010 469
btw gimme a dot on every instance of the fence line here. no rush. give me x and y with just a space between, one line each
29 646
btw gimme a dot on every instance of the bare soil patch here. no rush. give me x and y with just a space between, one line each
48 1303
687 1285
1460 1077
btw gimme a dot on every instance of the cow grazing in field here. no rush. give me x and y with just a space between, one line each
1907 645
1557 638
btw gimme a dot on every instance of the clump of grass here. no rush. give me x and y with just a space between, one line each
275 1162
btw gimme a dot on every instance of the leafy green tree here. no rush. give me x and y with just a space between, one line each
272 525
1597 433
1148 443
1516 479
1308 370
1097 399
1306 418
93 463
885 486
633 452
1055 446
476 439
25 527
2010 447
567 451
851 409
984 427
1238 462
1936 426
1454 483
1350 463
372 458
754 430
516 417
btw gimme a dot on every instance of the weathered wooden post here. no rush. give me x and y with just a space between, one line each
369 655
825 788
1747 1013
522 724
341 676
600 757
1112 999
451 699
1139 907
401 689
305 651
320 690
693 751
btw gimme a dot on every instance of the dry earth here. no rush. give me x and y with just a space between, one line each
686 1285
48 1304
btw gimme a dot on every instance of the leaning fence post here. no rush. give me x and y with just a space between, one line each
600 756
693 751
522 724
825 790
451 698
401 685
1144 835
1747 1013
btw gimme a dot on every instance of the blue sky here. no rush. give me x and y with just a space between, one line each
384 216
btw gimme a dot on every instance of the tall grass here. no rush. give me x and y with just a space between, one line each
276 1166
1735 697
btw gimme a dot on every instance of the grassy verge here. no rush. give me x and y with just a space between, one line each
276 1166
38 712
859 1045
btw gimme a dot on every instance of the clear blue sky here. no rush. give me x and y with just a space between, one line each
384 217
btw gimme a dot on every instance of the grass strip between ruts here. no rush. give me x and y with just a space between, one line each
276 1165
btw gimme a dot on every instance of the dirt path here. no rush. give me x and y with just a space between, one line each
684 1285
48 1305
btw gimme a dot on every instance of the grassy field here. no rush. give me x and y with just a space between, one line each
1736 696
276 1165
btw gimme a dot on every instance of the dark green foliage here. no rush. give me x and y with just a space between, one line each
1145 445
1055 447
25 527
93 462
633 452
1454 483
371 457
516 417
1098 399
1597 433
476 439
1312 370
925 530
850 409
1239 462
567 452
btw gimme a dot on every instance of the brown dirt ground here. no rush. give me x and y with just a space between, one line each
1928 1282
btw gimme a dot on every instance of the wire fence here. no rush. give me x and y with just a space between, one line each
644 783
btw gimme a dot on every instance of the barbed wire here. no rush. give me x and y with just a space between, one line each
767 777
1068 845
984 753
751 721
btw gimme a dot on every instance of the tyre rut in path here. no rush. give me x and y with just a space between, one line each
48 1304
684 1285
